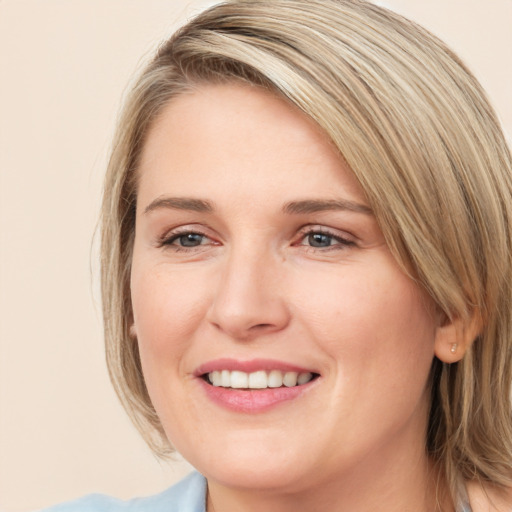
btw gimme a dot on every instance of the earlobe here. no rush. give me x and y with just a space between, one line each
454 337
133 331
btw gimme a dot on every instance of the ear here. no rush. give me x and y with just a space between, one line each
454 337
133 331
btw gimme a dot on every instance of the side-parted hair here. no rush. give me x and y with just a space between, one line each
418 132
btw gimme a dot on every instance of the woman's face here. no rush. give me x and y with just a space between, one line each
258 259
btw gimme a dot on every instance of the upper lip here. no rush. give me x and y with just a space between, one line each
249 366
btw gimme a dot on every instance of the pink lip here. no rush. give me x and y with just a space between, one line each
256 400
248 366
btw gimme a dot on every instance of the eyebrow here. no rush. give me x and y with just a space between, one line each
321 205
291 208
180 203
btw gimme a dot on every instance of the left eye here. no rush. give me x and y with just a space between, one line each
323 240
320 240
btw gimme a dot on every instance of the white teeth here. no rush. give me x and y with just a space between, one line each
239 380
304 378
215 378
226 379
258 380
275 379
290 379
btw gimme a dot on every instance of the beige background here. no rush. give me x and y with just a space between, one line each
64 66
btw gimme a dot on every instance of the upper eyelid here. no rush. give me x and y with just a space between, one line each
183 230
335 233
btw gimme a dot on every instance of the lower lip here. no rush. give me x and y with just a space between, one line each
253 401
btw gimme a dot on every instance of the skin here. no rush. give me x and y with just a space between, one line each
256 287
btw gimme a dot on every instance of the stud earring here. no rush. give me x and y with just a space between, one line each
453 349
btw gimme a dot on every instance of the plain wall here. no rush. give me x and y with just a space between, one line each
64 66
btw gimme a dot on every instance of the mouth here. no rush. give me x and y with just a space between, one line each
257 380
254 386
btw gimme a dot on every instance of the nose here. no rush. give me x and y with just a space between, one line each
249 299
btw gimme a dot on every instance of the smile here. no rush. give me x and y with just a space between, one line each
260 379
254 386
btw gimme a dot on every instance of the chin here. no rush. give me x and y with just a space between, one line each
255 463
262 476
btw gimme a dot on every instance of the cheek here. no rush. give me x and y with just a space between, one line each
377 330
168 306
372 316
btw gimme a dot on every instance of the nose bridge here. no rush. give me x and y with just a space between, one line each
248 300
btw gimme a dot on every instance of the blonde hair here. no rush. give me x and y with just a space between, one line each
417 130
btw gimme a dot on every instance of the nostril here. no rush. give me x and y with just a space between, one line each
260 327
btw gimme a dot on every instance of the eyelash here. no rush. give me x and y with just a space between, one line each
342 243
168 240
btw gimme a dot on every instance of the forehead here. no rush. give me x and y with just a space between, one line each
242 136
243 115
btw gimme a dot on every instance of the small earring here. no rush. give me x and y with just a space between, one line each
454 348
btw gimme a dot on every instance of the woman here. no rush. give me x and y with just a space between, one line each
307 230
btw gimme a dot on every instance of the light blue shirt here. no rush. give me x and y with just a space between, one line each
188 495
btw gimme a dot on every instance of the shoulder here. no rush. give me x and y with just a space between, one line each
188 495
489 498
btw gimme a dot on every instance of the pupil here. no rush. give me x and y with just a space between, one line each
319 240
190 240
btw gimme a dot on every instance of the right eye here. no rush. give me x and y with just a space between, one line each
186 240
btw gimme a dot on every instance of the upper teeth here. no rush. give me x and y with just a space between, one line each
258 380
